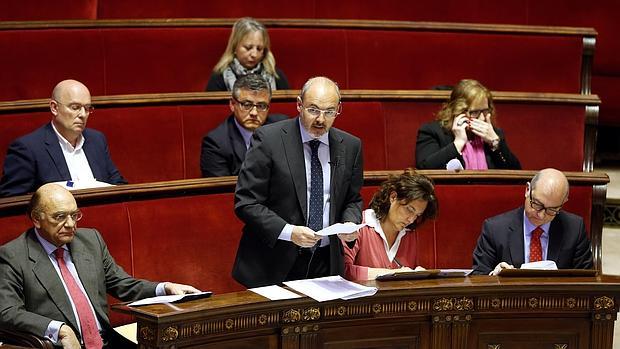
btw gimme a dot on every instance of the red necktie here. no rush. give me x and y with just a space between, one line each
535 246
88 325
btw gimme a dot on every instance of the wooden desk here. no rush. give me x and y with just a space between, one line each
473 312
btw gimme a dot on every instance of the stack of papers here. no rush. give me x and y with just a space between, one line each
274 292
541 265
330 287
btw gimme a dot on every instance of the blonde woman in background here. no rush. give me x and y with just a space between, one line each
248 51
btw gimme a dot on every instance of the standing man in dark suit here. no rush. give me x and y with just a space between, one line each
539 230
299 176
54 277
63 150
224 148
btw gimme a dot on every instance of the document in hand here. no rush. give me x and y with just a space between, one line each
330 287
340 228
177 298
540 265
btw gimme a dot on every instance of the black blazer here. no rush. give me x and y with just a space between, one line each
223 149
36 159
271 192
216 82
435 147
501 240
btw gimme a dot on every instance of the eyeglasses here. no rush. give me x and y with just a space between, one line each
537 206
77 107
329 113
476 113
61 217
248 106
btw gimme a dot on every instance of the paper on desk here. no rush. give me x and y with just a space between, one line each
71 185
274 292
330 287
340 228
541 265
168 299
455 272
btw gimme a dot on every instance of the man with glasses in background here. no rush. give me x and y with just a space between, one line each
54 278
540 230
224 148
299 176
63 150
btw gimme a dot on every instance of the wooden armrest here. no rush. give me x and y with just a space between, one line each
24 339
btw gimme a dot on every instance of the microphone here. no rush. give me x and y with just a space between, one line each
454 165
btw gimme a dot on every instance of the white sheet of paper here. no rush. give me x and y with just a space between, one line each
274 292
541 265
330 287
339 228
163 299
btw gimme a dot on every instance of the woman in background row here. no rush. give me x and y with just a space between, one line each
248 51
464 131
388 243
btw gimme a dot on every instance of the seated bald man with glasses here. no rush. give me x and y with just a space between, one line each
63 150
54 278
539 230
224 148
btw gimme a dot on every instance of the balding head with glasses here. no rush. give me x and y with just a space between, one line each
63 150
55 278
538 231
319 105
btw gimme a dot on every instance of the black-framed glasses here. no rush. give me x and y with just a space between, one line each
476 113
537 206
328 113
77 107
61 217
248 106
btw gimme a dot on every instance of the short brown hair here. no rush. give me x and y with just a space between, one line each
408 186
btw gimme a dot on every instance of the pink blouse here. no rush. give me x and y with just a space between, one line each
370 250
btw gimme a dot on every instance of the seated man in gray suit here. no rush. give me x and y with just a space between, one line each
224 148
537 231
54 278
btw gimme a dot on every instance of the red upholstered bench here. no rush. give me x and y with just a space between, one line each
158 57
152 140
186 231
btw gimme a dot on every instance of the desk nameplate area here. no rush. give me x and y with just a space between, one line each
470 312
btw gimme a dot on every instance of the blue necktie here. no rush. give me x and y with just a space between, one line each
315 214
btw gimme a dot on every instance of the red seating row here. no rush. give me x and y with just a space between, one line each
196 232
158 59
162 141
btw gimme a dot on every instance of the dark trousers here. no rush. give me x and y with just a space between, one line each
310 264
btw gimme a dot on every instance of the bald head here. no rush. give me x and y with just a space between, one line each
70 105
320 84
54 213
551 182
319 96
66 88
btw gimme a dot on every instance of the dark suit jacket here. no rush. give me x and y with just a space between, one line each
271 192
216 82
36 159
435 147
501 240
32 294
223 149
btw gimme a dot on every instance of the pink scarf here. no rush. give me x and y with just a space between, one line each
473 154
